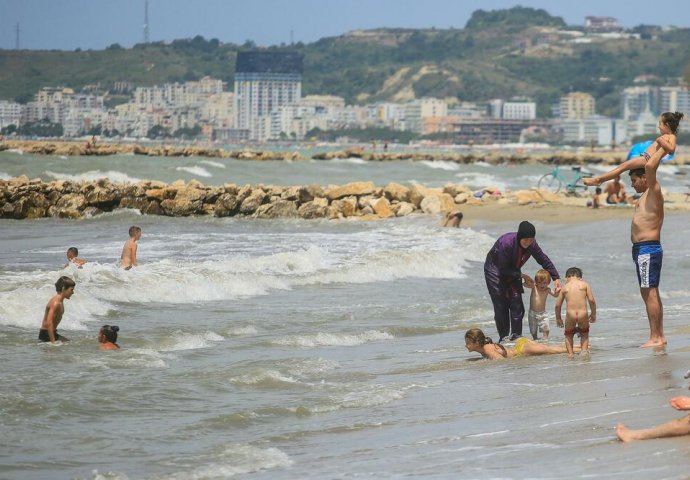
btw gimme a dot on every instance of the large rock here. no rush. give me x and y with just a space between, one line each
354 188
382 208
252 202
227 205
103 198
344 208
525 197
402 209
395 191
278 209
437 203
312 209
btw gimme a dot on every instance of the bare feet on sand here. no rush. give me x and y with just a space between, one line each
656 342
624 434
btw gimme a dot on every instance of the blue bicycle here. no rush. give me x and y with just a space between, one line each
555 180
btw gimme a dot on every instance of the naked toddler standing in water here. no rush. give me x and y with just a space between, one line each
128 259
537 317
576 293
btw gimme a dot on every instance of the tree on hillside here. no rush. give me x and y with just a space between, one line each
515 18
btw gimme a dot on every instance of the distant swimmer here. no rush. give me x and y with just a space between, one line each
54 311
107 337
73 257
577 294
648 219
453 219
128 259
674 428
476 341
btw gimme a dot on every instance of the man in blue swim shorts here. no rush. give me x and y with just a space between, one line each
647 222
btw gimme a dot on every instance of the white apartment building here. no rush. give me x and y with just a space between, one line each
10 113
417 110
219 110
577 105
519 111
595 129
637 100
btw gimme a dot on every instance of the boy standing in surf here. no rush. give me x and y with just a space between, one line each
576 293
128 259
648 219
54 311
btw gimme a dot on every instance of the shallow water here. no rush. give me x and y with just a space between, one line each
315 349
217 171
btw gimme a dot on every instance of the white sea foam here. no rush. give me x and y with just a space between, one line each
5 176
195 170
233 460
16 150
113 175
355 160
261 376
441 165
241 331
333 339
213 164
480 180
190 341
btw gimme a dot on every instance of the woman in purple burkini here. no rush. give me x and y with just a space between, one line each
504 278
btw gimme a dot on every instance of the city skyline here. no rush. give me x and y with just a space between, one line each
95 24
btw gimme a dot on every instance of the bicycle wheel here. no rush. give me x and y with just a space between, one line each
578 184
549 182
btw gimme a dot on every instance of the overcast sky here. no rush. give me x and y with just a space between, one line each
95 24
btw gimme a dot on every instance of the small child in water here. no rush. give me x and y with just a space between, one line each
107 337
128 259
577 294
73 257
537 317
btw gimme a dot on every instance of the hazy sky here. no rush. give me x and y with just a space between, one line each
95 24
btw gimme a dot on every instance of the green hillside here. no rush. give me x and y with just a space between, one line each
519 51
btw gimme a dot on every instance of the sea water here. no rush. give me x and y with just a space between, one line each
284 349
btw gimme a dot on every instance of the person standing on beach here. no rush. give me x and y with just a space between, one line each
128 259
504 277
54 311
647 220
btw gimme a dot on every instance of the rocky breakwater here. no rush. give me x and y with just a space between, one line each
493 157
22 198
40 147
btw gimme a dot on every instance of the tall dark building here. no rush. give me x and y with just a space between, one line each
265 81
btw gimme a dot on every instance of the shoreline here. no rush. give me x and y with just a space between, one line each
515 156
22 198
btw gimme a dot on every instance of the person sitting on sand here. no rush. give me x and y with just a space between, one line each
476 341
615 192
107 337
453 219
674 428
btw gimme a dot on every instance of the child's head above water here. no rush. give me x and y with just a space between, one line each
134 230
108 333
573 272
72 252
